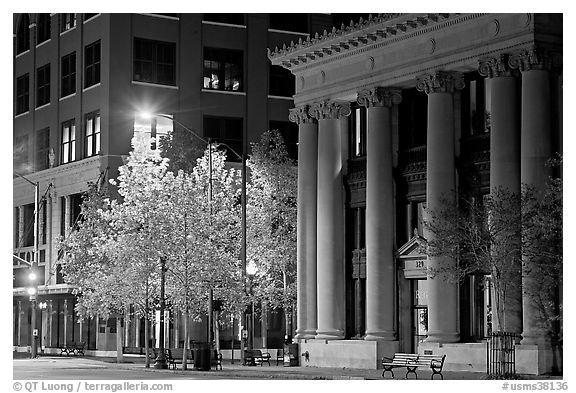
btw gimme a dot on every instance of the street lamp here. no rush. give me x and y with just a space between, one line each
242 157
251 270
161 358
34 266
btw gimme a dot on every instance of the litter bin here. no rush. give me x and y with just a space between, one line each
291 355
202 356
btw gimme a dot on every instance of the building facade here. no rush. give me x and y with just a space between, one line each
396 111
80 81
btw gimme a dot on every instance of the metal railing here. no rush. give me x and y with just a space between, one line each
501 354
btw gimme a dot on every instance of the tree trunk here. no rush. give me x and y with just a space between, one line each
147 340
217 331
119 355
186 341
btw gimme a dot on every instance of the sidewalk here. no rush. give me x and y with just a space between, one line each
238 371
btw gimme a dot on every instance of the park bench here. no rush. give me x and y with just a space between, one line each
74 349
253 357
176 355
412 362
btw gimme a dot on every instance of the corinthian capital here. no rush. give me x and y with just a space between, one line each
493 67
327 110
300 115
379 96
440 82
532 59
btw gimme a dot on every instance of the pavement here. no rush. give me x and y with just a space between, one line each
61 367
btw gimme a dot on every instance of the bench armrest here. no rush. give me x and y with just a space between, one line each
386 359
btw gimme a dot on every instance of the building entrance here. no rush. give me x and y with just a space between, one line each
419 313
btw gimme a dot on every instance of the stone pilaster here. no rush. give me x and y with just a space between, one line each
330 221
306 222
443 305
536 149
380 266
505 178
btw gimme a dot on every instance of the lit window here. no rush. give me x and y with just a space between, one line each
92 134
67 22
68 152
156 127
223 69
358 124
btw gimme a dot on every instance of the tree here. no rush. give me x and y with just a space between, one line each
271 213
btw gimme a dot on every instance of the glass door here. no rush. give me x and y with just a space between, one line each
419 312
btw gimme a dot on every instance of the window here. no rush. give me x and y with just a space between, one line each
68 74
43 28
23 34
223 69
67 22
281 82
68 152
22 94
156 127
42 149
43 85
154 61
413 119
476 105
289 22
92 64
289 132
358 125
231 19
228 131
92 134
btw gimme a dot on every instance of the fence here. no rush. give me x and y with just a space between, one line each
500 353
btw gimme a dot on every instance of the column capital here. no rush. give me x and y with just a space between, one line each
534 58
379 96
493 67
440 82
329 110
300 115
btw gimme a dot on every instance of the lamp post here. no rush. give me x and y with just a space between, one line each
161 358
33 290
242 157
251 271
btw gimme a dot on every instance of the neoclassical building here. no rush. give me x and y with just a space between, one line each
395 112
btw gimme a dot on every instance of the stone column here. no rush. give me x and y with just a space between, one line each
306 222
443 313
380 290
536 149
51 338
505 178
137 331
330 222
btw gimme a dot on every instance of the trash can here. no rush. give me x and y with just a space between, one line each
202 356
291 355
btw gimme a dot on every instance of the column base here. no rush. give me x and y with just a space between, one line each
385 335
442 337
335 334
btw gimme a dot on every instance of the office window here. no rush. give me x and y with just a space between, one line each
42 149
228 131
231 19
358 124
43 85
22 94
92 144
43 28
156 127
154 61
68 74
68 152
289 22
281 82
223 69
67 22
289 132
23 34
92 64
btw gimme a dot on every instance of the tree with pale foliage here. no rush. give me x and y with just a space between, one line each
271 223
